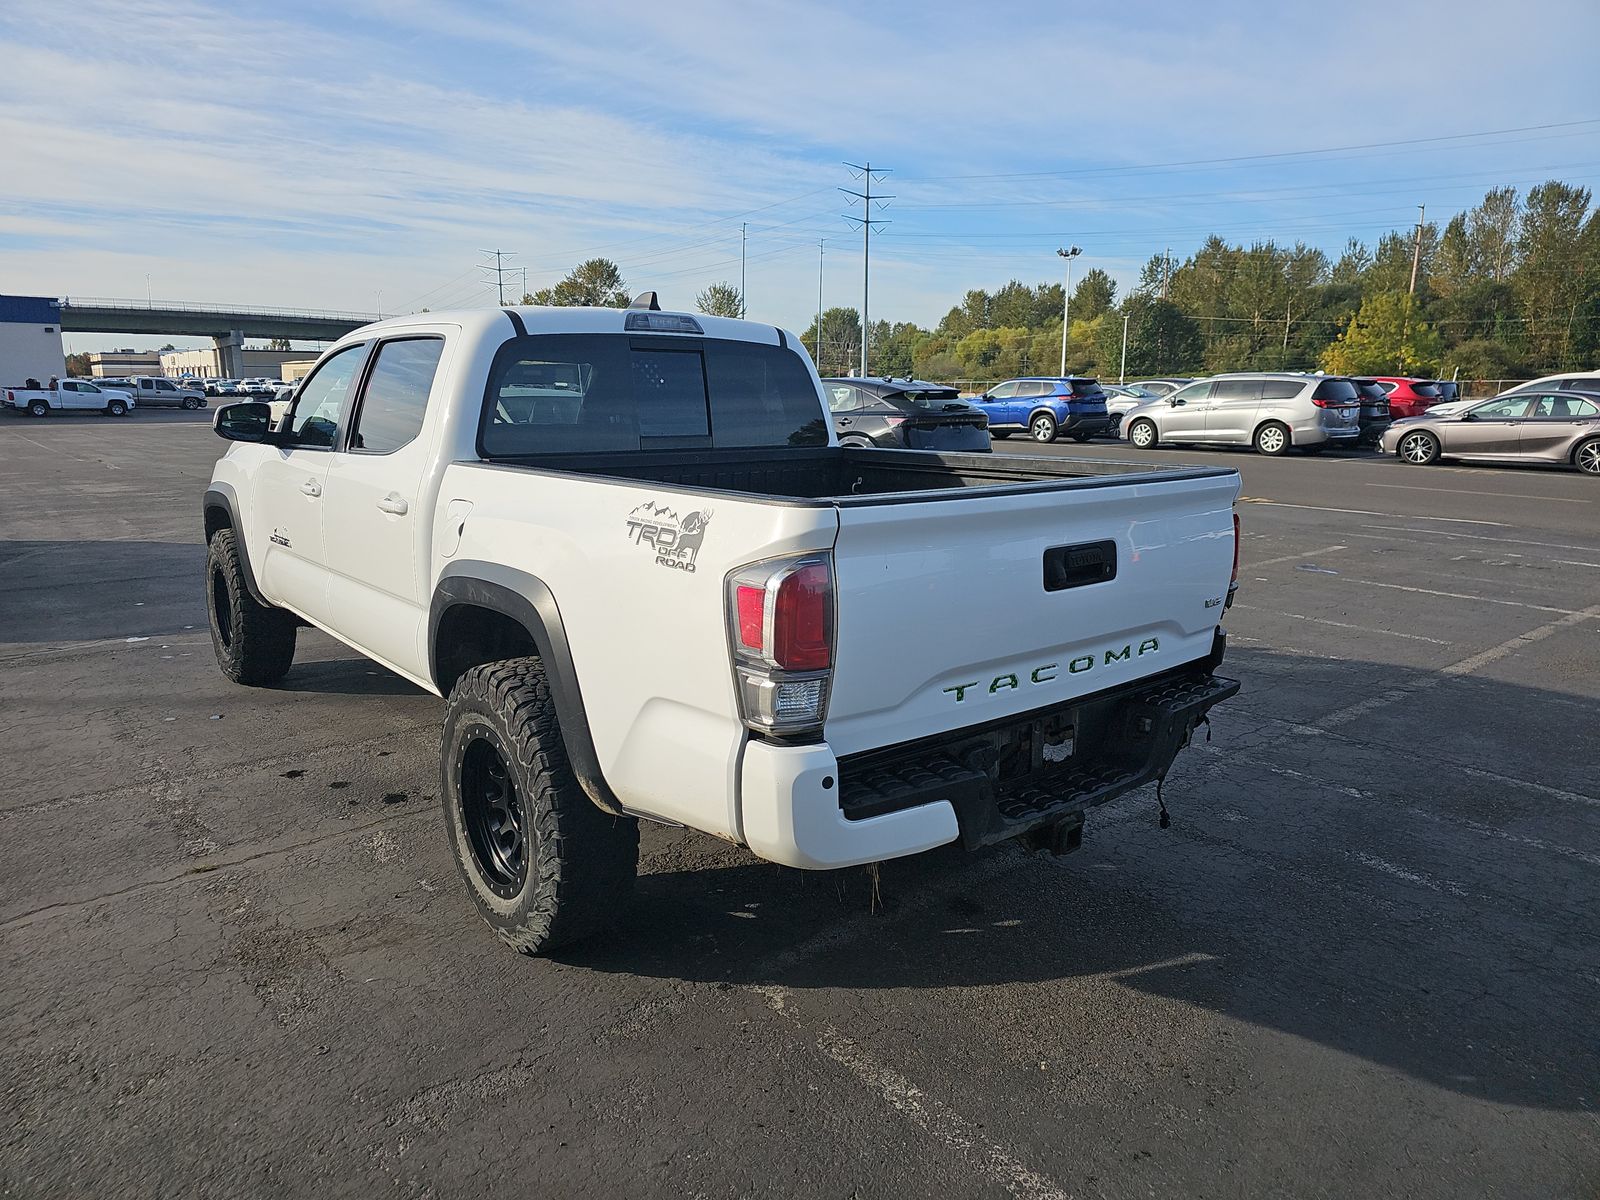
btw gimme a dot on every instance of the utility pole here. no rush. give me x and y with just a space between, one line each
865 173
499 271
1166 270
524 281
1287 308
1416 254
744 307
1066 301
1122 372
819 305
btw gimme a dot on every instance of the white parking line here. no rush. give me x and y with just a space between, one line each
1283 558
1528 784
1569 563
933 1117
1437 818
1343 716
1401 587
1366 512
1417 877
1415 637
927 1113
1476 537
1410 487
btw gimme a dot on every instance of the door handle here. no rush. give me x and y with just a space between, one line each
393 504
311 487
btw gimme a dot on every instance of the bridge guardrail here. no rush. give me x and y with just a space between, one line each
123 305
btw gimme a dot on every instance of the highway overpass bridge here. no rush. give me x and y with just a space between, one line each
228 326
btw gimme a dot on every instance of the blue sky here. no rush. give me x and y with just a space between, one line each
343 156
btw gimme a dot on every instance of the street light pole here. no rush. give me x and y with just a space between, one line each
1122 372
1066 302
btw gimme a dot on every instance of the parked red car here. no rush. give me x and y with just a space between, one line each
1409 397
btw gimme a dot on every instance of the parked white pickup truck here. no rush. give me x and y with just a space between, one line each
627 547
68 395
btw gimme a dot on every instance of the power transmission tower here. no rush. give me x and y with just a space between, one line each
1416 254
499 271
866 174
819 304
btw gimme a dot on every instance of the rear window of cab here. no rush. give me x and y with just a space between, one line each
582 393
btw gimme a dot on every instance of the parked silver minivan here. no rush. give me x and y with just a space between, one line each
1269 410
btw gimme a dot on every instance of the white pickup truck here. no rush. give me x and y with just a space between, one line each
69 395
628 549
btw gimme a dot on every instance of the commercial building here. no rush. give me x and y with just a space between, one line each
207 363
118 363
294 372
30 339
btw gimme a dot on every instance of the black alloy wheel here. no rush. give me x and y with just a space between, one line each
492 812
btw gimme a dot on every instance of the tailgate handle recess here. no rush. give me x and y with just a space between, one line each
1074 566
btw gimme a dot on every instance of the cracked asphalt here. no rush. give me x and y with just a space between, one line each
235 959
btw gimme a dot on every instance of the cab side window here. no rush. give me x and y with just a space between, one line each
319 408
1195 391
1509 408
396 396
842 397
1236 389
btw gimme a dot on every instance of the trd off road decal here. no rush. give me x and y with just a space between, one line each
675 540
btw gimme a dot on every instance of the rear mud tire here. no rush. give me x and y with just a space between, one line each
544 865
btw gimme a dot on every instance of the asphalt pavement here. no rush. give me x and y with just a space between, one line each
236 959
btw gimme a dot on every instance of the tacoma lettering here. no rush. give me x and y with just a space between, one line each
1046 672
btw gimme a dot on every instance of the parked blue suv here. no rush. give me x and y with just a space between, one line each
1046 407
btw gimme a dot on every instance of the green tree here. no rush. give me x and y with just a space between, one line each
1555 280
279 344
720 300
1391 263
78 366
1386 337
1161 340
597 282
1096 293
1353 263
840 351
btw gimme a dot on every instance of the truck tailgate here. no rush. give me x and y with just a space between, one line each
959 611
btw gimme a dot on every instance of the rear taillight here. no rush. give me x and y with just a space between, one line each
780 624
1233 581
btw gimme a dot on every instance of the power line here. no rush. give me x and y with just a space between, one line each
1280 154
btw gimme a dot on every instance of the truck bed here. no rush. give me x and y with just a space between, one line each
847 476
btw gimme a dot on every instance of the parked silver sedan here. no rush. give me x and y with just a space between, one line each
1561 428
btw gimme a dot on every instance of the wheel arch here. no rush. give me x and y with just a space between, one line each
221 511
483 612
1572 458
1265 421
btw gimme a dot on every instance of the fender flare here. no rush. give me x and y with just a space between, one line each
220 496
1047 411
528 601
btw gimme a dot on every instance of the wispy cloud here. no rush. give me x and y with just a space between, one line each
298 154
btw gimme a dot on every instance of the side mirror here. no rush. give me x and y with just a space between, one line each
1174 401
247 422
1469 416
